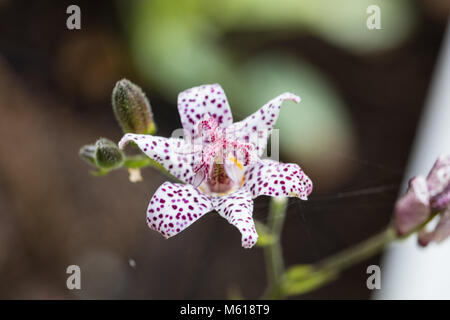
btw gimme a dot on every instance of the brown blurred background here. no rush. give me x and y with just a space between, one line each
363 101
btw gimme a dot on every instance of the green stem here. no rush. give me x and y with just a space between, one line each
366 249
357 253
327 269
273 252
141 161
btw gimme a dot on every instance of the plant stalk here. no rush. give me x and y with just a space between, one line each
273 252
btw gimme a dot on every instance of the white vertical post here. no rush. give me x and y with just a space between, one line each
408 271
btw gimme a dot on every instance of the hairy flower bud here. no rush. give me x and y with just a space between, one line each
132 108
87 153
107 154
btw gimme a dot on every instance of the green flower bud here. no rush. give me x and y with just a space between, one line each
107 154
132 108
87 153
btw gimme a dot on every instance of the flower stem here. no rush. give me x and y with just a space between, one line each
329 268
302 279
366 249
141 161
273 252
357 253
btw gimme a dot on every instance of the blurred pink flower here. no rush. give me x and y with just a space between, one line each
220 163
423 198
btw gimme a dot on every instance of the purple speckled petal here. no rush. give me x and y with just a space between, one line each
439 177
174 207
176 156
257 127
440 233
413 208
199 103
237 208
272 178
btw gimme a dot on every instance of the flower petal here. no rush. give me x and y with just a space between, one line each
441 201
174 207
439 176
175 155
413 208
440 233
237 208
257 127
272 178
199 103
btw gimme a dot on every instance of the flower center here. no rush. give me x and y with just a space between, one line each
218 180
223 162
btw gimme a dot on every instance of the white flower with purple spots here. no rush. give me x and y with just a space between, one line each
219 162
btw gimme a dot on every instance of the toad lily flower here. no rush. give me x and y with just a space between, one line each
219 162
423 198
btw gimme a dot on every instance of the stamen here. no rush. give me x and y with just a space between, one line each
236 162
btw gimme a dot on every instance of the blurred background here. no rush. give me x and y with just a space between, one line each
362 95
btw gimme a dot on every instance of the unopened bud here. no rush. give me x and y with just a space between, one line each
87 153
132 108
107 154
